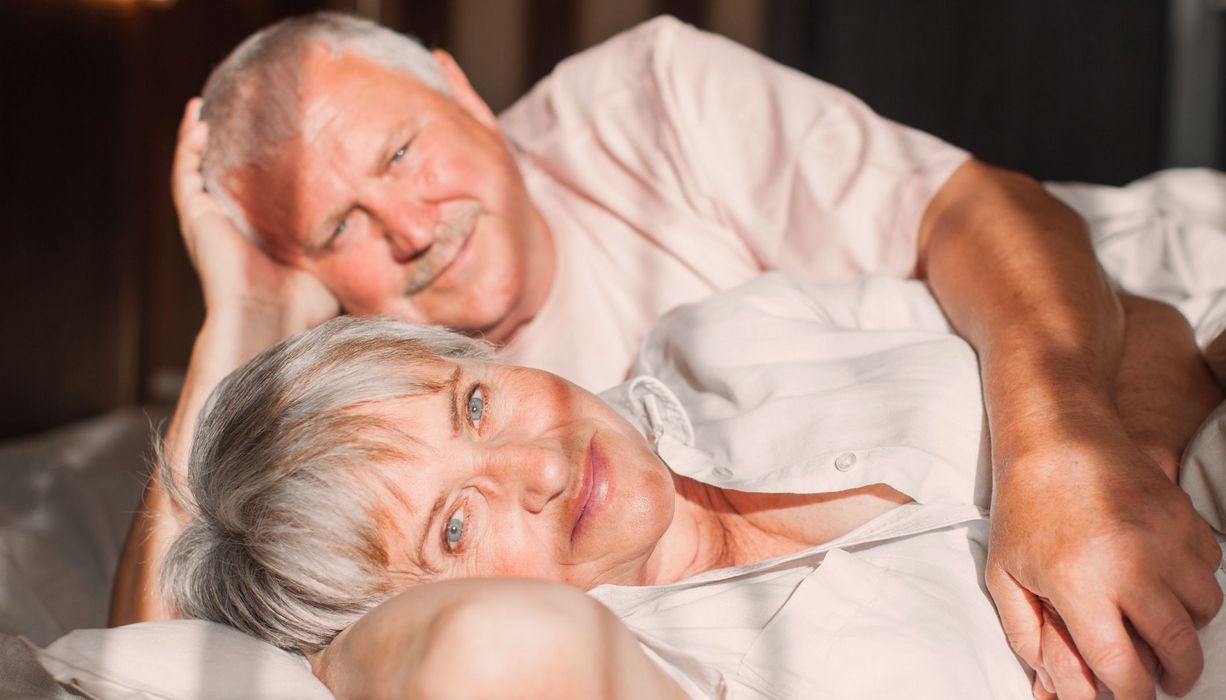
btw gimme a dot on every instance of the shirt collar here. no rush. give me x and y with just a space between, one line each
652 408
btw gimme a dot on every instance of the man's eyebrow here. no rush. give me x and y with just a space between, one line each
453 388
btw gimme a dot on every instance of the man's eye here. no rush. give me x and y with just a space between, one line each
454 532
399 154
476 406
340 228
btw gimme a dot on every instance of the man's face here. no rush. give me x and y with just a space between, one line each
516 472
401 200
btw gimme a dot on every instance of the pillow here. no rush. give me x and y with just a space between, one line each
181 659
67 498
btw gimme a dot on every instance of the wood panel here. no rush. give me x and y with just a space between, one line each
68 328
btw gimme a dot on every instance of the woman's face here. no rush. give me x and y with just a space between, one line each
517 472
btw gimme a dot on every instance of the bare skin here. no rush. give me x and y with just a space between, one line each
1164 391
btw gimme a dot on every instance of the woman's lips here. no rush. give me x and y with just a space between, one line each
592 489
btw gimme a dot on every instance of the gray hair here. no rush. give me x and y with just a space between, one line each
252 99
289 482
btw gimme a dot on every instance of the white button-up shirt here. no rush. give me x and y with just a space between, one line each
780 386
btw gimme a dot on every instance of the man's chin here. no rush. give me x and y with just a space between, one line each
469 316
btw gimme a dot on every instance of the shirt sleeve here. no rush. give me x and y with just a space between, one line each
813 180
728 160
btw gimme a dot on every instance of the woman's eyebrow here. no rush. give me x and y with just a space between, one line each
453 386
435 509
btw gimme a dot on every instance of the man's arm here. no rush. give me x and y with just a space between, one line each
251 302
1164 392
1082 520
1164 389
491 638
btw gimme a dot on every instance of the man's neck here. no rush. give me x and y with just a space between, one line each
540 269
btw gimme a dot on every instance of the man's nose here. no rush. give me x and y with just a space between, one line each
407 225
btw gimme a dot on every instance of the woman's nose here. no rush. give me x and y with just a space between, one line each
537 476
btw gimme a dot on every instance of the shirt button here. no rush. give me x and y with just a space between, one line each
845 461
722 472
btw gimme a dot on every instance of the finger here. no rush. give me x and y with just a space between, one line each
1199 592
191 115
1043 679
1039 691
1161 620
187 182
1021 614
1100 637
1205 542
1148 659
1208 548
1069 676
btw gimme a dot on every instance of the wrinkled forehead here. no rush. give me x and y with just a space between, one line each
399 493
340 104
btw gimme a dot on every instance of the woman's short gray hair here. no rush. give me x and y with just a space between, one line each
289 481
252 98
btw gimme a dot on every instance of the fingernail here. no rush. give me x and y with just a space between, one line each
1045 680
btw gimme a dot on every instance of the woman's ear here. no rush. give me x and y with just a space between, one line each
462 92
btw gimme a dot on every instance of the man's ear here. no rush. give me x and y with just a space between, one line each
462 92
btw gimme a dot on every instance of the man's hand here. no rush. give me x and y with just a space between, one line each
1092 546
236 276
252 302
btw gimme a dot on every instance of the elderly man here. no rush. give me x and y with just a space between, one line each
648 172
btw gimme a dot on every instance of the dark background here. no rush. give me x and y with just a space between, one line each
100 305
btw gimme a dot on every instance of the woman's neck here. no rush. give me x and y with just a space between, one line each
706 533
713 528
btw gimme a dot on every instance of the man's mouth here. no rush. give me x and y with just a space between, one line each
450 239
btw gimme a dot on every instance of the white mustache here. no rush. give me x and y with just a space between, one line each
449 237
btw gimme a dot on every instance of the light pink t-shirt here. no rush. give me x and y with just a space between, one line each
671 163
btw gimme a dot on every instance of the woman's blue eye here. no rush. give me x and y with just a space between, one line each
455 529
476 406
398 155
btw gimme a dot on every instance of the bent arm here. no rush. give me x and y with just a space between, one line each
1164 390
491 638
228 338
251 302
1014 270
1082 520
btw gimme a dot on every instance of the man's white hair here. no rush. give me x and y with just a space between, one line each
290 480
252 99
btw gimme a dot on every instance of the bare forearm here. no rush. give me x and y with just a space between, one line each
491 638
1164 390
1014 270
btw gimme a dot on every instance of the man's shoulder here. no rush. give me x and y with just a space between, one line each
616 65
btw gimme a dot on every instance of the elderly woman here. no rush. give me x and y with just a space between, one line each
419 520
